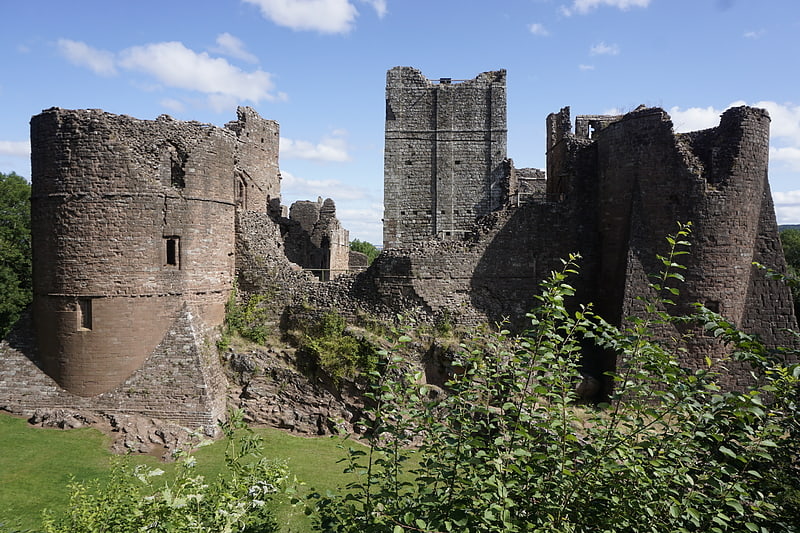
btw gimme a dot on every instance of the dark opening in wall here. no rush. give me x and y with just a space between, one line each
173 251
84 309
178 175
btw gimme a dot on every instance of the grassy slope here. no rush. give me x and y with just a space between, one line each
36 465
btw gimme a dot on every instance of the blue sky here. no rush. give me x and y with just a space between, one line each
318 67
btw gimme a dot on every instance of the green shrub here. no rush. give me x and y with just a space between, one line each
338 353
249 319
510 447
131 501
15 249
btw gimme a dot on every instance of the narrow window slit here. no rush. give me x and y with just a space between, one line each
173 251
84 309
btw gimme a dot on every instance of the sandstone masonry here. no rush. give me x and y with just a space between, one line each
615 188
134 227
141 227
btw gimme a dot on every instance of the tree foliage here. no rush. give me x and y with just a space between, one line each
366 248
790 239
15 249
510 448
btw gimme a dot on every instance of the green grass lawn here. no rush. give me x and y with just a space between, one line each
36 466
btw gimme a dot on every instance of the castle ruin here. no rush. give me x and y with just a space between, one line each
141 227
615 187
135 226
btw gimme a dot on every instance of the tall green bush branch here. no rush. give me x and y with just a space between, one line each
506 446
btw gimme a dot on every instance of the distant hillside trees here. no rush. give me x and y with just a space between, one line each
15 248
790 238
368 249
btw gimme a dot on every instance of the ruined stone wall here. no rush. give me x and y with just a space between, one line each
181 381
615 189
257 176
444 154
315 239
132 219
647 180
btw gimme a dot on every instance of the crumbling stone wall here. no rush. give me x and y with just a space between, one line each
256 172
139 230
444 156
614 190
315 239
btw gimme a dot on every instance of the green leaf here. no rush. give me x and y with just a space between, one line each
727 451
733 504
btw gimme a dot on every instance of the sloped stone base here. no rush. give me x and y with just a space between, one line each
181 381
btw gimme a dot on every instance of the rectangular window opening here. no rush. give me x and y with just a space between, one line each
173 251
84 314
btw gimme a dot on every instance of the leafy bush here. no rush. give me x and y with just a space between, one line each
790 239
131 502
511 448
248 319
338 353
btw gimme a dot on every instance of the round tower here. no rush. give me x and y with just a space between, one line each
131 220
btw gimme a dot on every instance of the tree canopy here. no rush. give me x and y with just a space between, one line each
15 248
790 239
366 248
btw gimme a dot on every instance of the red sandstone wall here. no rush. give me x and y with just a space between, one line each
108 192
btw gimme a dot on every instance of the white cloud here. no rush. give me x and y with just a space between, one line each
363 223
233 47
538 29
15 148
99 61
784 152
296 187
324 16
332 148
603 49
379 6
694 118
583 7
174 65
754 34
173 105
787 197
784 125
788 156
787 206
585 67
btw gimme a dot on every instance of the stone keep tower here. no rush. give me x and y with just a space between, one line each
445 154
134 227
